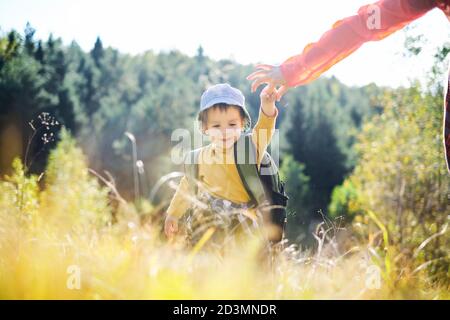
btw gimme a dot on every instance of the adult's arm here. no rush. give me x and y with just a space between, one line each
372 22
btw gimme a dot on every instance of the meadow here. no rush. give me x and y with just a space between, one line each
78 239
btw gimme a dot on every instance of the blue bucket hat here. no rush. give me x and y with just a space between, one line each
224 93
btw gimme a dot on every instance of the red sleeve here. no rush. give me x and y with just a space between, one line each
350 33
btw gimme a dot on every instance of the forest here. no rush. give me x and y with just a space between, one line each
364 170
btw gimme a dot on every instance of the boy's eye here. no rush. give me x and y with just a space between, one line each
216 126
232 124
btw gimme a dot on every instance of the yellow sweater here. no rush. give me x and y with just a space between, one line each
218 172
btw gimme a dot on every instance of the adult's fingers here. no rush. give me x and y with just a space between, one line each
281 91
257 73
259 82
264 66
270 86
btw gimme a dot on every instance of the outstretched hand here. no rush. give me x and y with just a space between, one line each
444 7
271 75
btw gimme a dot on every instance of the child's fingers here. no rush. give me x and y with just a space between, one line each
168 228
167 231
170 234
270 87
175 226
272 97
281 91
269 90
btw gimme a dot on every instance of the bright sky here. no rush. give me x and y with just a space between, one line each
249 31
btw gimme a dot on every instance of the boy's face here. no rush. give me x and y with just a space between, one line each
224 127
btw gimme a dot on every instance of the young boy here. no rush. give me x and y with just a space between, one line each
223 117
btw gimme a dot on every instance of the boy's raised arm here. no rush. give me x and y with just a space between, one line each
265 126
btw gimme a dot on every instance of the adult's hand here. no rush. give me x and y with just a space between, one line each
445 7
271 75
447 12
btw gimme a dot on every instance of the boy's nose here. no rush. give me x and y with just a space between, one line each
229 132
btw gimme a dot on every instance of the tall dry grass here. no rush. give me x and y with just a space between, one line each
77 239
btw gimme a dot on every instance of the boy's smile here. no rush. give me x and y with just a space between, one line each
224 127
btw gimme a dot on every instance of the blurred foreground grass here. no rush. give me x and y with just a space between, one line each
68 241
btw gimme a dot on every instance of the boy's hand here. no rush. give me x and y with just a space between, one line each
170 226
266 73
268 97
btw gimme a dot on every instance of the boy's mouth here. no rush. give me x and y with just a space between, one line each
226 139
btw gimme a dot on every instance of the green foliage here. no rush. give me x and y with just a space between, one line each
402 178
100 94
322 124
19 193
297 183
345 201
72 195
394 182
